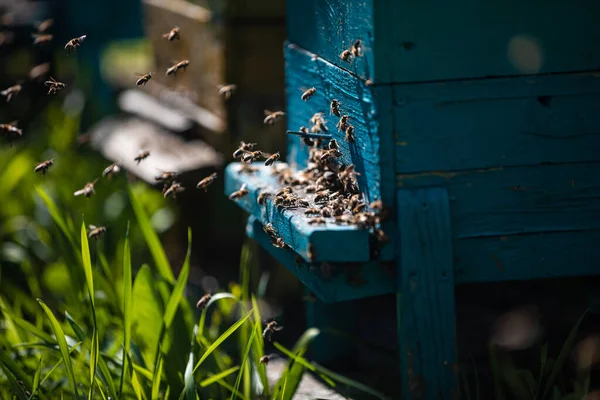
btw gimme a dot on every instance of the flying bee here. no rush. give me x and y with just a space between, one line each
343 123
143 78
44 25
357 48
39 71
11 91
349 137
251 156
346 56
244 147
54 86
111 170
166 176
272 158
308 94
272 116
173 34
10 130
44 166
334 108
143 154
265 359
203 302
174 189
172 70
204 183
226 91
238 194
74 43
41 39
270 329
262 198
6 38
88 189
96 231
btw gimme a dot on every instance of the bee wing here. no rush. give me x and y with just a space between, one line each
268 112
79 192
92 227
82 38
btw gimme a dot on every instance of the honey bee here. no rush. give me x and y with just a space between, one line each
272 116
322 197
376 205
272 158
10 92
41 39
173 190
44 25
310 252
204 183
280 244
343 123
265 359
270 230
270 329
244 147
166 176
302 203
143 79
44 166
238 194
333 144
251 156
381 236
317 221
357 48
203 302
173 34
346 56
74 43
334 108
96 231
226 91
88 189
308 94
326 212
39 71
312 210
111 170
10 130
54 86
349 137
262 198
143 154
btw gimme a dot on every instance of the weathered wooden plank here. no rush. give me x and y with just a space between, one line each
329 242
426 326
482 39
507 201
526 257
357 101
334 282
497 122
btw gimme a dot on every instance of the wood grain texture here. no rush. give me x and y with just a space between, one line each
426 326
527 257
497 122
334 283
330 242
478 39
509 201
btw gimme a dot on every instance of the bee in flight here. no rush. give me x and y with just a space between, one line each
11 91
238 194
74 43
177 66
39 71
166 176
111 170
203 302
96 231
44 166
173 34
10 130
54 86
41 39
270 329
272 116
173 190
143 78
226 91
143 154
88 190
44 25
272 158
204 183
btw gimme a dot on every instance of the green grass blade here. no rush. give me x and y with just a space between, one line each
177 294
244 361
106 377
62 344
36 379
58 363
76 328
135 382
217 377
55 214
158 253
13 382
87 263
156 377
562 356
188 375
127 288
259 349
89 278
15 368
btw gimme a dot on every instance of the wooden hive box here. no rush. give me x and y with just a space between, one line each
477 125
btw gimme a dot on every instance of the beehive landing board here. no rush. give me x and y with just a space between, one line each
435 40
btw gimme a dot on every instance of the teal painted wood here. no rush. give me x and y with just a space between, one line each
436 40
497 122
426 326
527 257
330 242
334 282
519 200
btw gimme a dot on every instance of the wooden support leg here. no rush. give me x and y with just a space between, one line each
425 299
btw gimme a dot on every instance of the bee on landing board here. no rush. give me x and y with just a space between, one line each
308 94
173 34
346 56
11 91
74 43
143 154
143 78
88 190
54 86
356 48
334 108
206 182
44 166
96 231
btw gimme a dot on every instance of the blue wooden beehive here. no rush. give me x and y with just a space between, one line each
478 125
